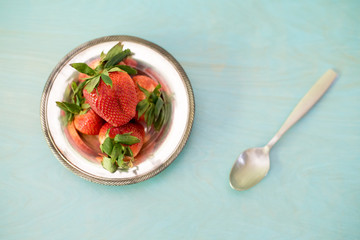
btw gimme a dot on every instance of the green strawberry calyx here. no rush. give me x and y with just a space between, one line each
76 105
108 63
155 107
115 150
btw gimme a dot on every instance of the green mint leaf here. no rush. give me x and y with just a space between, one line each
92 83
117 58
107 146
105 77
83 68
109 164
126 139
115 50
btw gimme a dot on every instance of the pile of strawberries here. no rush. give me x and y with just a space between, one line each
110 99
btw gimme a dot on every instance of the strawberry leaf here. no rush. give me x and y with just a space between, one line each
115 50
124 166
159 121
157 89
109 164
107 146
120 158
80 87
149 115
117 58
126 139
146 92
69 107
167 110
142 106
85 106
128 69
116 151
102 56
83 68
128 151
115 69
92 83
158 106
105 77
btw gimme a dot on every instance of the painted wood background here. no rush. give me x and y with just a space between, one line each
249 63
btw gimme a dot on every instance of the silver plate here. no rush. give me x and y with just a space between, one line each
162 148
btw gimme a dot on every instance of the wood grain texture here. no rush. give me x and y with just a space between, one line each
249 63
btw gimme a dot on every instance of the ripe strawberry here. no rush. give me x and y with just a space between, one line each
93 64
130 62
88 123
136 130
145 82
76 140
153 106
120 145
116 104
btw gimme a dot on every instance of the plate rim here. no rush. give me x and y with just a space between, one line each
115 181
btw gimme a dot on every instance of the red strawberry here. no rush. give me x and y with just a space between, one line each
147 83
130 62
144 82
93 64
88 123
76 140
116 104
136 130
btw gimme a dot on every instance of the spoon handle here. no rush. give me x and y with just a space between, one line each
305 104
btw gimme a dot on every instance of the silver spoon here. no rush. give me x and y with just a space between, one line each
253 164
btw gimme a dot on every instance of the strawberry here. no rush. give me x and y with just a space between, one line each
145 82
120 145
136 130
78 111
130 62
76 140
116 104
109 88
88 123
154 105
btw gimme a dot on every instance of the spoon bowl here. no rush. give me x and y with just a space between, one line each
254 163
250 167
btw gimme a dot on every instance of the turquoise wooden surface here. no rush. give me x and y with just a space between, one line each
249 63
